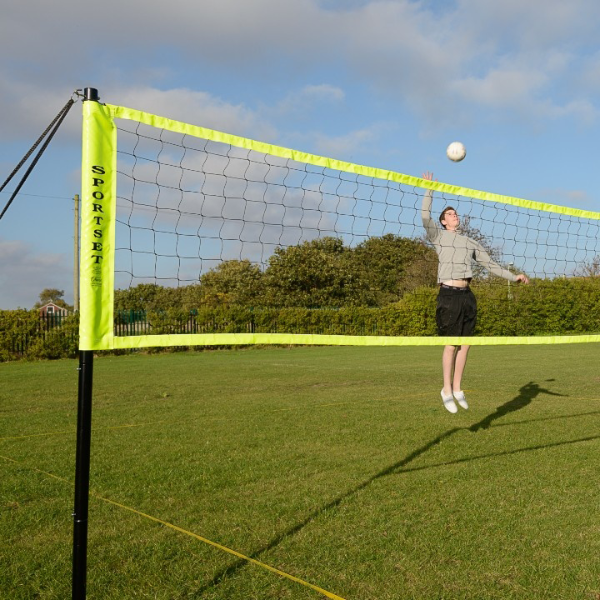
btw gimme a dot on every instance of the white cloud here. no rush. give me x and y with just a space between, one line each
501 88
524 26
25 274
567 197
197 108
299 104
584 111
324 92
345 145
421 53
516 58
233 30
589 78
28 119
27 115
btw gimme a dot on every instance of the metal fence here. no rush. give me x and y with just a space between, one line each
21 332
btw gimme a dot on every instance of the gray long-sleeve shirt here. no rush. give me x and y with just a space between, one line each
456 252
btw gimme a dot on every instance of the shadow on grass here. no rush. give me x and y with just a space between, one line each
526 394
542 419
233 568
459 461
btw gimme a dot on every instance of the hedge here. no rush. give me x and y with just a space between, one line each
27 334
557 307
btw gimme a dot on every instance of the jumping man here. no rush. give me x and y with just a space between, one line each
456 311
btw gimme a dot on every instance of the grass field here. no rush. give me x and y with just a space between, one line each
337 466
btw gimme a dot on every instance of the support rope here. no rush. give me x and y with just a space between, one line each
50 131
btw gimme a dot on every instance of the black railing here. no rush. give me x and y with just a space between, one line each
26 329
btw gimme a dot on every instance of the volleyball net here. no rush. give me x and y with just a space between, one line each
194 237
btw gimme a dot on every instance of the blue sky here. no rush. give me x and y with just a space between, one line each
384 84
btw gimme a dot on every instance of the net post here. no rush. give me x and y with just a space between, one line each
90 94
83 449
82 474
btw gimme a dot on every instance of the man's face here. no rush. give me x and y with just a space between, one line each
450 220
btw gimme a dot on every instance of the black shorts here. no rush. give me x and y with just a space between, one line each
456 311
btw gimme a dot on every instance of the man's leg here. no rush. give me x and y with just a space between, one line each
460 362
448 368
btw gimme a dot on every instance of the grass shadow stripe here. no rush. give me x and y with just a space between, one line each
459 461
541 419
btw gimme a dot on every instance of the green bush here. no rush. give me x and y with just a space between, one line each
58 342
545 307
558 307
24 335
18 329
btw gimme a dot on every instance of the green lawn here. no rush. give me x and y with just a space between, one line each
338 466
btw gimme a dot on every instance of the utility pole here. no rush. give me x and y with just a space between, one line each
76 255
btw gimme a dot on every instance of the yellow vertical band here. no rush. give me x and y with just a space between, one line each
98 192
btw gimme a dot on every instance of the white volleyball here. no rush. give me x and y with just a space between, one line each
456 151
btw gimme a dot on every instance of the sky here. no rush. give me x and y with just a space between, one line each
386 84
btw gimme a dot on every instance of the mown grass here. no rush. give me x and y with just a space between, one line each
338 466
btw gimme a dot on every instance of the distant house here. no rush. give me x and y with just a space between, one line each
51 309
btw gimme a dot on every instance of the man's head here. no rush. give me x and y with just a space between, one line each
449 219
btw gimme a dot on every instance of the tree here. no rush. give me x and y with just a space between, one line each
232 282
147 296
392 265
314 274
52 295
421 271
478 236
590 268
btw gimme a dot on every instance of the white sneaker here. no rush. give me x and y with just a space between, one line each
449 403
460 398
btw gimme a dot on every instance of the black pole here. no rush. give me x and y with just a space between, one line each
90 94
82 473
82 458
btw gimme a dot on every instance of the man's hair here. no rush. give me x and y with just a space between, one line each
443 215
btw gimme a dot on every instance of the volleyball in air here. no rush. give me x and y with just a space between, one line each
456 151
